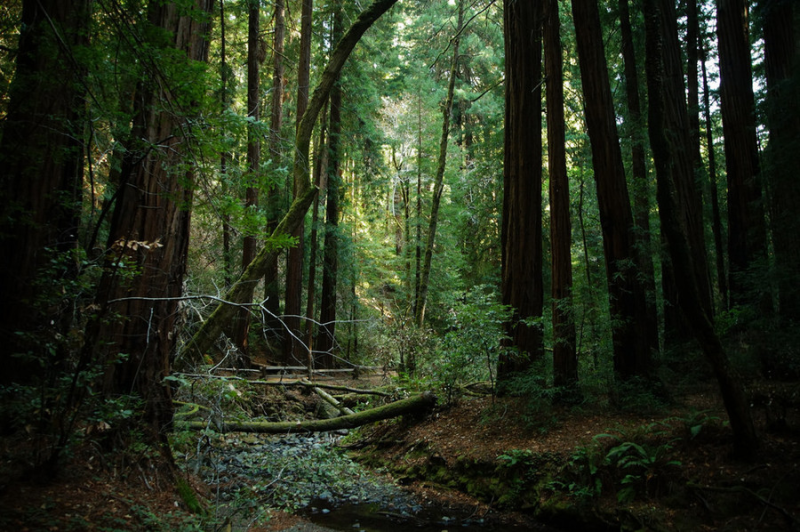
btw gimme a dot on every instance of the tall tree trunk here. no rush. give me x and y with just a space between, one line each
293 347
565 360
626 297
321 182
781 22
271 283
41 156
150 228
641 188
438 186
716 218
209 331
521 236
224 158
330 268
746 229
418 224
667 112
249 245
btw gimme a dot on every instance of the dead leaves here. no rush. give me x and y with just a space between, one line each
123 244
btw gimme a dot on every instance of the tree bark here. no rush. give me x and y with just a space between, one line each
565 359
209 332
521 236
626 296
321 182
271 284
438 187
249 245
330 268
746 226
227 231
716 218
293 348
663 127
417 405
41 156
781 23
641 187
150 228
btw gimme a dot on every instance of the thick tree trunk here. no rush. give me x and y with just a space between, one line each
438 187
327 331
293 348
150 228
666 98
626 296
209 332
417 405
41 156
782 60
747 237
641 187
271 282
565 359
241 327
521 234
683 157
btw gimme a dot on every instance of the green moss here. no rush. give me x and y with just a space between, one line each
189 497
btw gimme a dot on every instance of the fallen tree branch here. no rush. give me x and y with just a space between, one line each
413 405
328 398
281 382
344 388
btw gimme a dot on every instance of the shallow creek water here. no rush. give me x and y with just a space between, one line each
311 476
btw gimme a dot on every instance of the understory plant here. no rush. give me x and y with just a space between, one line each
473 343
636 463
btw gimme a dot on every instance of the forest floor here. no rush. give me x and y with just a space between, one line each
691 482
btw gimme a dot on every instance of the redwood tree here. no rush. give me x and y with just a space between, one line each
271 284
150 225
521 236
330 263
41 156
746 226
565 360
641 187
667 126
254 56
626 296
292 346
782 62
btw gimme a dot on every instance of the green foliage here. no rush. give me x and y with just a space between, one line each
637 463
59 403
583 467
640 396
537 396
470 349
646 462
696 421
189 497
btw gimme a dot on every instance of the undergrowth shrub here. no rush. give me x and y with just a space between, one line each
636 463
469 350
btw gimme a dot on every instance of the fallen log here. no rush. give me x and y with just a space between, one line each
417 404
328 398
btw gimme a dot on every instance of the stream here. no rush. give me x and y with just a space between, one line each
310 476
